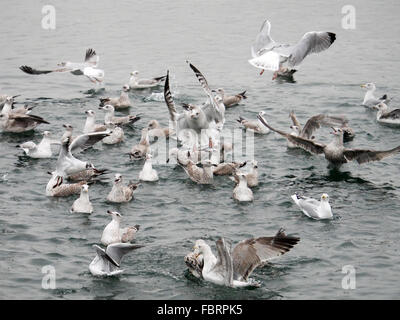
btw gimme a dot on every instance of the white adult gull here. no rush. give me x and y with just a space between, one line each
41 150
233 268
334 151
270 55
90 123
87 68
369 99
110 117
117 134
82 204
312 208
242 192
113 233
108 262
148 173
137 83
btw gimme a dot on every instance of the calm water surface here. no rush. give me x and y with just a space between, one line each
154 36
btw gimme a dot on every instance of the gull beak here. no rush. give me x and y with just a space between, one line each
362 86
262 71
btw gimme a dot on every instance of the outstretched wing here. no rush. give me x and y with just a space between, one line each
86 140
169 101
249 254
311 42
315 123
116 251
91 57
294 120
224 265
306 144
263 40
30 70
362 156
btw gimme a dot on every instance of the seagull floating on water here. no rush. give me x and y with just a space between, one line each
136 83
254 126
109 116
140 150
148 173
41 150
230 101
270 55
242 192
121 103
114 234
117 134
82 204
385 116
120 192
369 99
312 208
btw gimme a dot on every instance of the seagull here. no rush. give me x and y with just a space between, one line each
315 122
335 152
121 103
41 150
120 192
242 192
199 175
312 208
18 122
8 107
140 150
156 131
254 126
67 164
82 204
56 188
108 262
227 168
252 175
117 134
109 116
385 116
369 99
148 173
87 68
230 101
114 234
136 83
270 55
90 123
233 268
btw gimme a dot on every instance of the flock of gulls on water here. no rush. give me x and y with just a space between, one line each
201 154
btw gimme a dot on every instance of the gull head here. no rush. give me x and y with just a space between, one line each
325 197
255 164
368 86
261 113
337 131
107 108
62 64
90 113
296 129
152 124
194 111
46 133
149 156
85 188
115 215
9 99
199 247
68 127
126 88
118 178
134 73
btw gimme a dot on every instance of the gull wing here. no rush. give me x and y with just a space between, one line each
395 114
294 120
173 114
311 42
102 254
116 251
306 144
224 265
30 70
362 156
315 123
91 57
263 40
87 140
249 254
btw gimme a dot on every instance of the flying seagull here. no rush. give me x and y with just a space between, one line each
270 55
335 152
87 68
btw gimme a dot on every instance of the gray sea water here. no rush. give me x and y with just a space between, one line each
153 36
